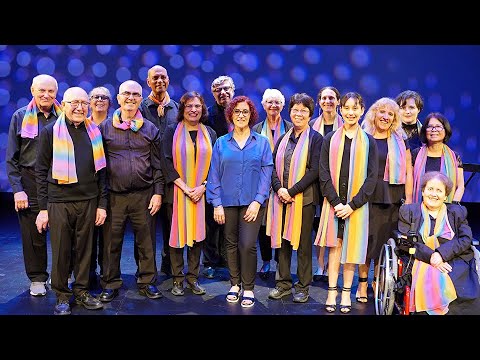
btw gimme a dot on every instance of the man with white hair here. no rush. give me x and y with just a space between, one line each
72 196
214 253
25 126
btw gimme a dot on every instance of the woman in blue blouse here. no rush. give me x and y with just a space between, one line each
238 185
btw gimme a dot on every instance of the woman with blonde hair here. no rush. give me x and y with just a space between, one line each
393 184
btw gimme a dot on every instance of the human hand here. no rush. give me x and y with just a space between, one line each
155 204
21 200
284 196
252 211
42 221
100 217
345 212
219 215
197 193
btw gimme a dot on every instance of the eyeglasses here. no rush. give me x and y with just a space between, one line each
436 127
274 102
127 94
191 106
243 112
220 88
99 97
303 112
75 103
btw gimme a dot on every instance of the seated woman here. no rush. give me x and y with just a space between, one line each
444 277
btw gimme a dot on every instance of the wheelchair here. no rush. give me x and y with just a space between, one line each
394 275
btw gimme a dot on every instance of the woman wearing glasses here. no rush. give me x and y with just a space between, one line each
272 127
100 100
238 187
187 153
291 206
436 155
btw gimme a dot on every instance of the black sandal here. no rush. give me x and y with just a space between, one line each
345 309
361 299
331 307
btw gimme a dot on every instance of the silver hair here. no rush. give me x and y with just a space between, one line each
273 94
220 80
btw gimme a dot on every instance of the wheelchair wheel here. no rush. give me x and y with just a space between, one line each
386 276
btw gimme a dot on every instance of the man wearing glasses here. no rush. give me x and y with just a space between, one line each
161 110
25 126
72 196
214 253
136 186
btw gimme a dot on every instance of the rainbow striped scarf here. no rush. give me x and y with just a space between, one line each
135 124
355 239
432 290
63 164
279 130
319 124
293 217
448 166
30 119
396 164
188 220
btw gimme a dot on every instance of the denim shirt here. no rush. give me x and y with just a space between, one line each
239 176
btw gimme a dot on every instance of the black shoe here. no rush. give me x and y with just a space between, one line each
108 295
151 292
279 292
300 297
88 301
196 288
177 289
62 308
209 272
264 272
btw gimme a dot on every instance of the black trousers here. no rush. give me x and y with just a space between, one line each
214 250
176 257
34 244
265 244
71 233
304 255
97 251
241 245
154 244
133 207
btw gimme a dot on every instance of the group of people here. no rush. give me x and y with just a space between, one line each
218 179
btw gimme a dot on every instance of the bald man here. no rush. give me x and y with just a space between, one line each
25 126
161 110
72 196
136 187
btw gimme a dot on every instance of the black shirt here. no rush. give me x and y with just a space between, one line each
308 184
412 135
91 184
149 111
217 120
22 152
133 158
326 184
167 158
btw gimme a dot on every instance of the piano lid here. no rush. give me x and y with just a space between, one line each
470 167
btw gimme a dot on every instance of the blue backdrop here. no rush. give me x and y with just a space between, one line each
445 75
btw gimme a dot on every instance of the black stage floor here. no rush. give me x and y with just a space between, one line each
15 298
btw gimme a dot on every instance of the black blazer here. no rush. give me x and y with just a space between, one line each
457 251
